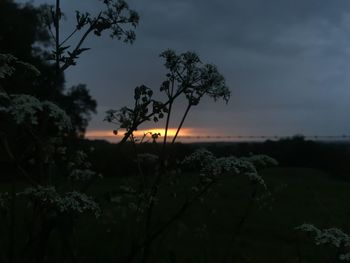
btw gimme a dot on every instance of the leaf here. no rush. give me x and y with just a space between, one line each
81 50
61 49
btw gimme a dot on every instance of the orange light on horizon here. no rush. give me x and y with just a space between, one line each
108 134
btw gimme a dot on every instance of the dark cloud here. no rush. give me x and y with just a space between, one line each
286 61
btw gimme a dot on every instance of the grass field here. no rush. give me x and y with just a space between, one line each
208 231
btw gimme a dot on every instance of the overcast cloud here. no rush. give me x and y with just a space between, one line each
287 61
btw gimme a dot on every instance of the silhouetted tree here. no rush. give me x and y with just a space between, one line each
79 103
24 34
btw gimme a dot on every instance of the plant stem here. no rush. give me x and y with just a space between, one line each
166 127
69 36
12 220
167 122
147 242
68 63
57 36
182 122
246 215
136 124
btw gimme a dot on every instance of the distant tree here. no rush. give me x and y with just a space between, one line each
24 34
79 101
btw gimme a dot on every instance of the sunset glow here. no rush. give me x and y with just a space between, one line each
110 136
186 135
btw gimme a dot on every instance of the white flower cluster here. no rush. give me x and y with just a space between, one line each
80 159
209 165
78 202
330 236
81 174
80 167
25 108
69 202
6 69
199 159
8 63
43 194
234 165
333 236
62 150
345 257
59 117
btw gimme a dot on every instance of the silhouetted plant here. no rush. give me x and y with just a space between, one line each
190 79
333 238
24 35
116 17
46 125
187 76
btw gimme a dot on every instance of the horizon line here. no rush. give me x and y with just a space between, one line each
185 134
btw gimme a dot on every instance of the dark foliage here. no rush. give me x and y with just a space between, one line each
331 157
24 35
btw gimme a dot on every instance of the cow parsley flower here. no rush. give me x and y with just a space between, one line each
209 166
345 257
332 236
57 115
9 63
79 203
81 174
79 167
80 159
43 194
25 108
199 158
71 202
6 67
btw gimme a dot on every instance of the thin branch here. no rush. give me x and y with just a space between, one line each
69 36
57 35
181 211
168 119
136 124
182 122
245 215
68 63
51 33
12 220
149 239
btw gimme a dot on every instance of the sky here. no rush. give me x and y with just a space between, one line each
287 63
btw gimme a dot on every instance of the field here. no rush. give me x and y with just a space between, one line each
310 185
209 233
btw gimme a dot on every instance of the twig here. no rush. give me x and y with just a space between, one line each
182 122
69 61
68 37
57 35
150 238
